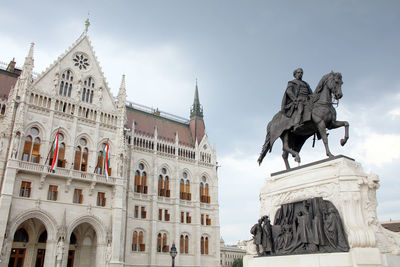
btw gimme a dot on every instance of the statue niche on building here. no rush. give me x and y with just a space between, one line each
309 226
305 113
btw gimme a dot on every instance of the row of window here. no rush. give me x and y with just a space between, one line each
66 83
31 152
163 189
52 194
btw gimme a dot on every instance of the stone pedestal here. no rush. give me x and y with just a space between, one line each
343 182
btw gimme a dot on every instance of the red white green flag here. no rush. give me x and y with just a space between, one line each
106 156
55 152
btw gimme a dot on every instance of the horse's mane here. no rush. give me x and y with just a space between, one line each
322 83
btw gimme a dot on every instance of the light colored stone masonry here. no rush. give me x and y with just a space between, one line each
104 234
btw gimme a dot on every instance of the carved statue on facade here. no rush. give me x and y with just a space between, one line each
60 251
304 114
108 253
308 226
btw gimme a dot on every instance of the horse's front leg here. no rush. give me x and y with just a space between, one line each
322 131
337 124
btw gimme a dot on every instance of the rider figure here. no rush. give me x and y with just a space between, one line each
296 94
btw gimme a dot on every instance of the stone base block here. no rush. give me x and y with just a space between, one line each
357 257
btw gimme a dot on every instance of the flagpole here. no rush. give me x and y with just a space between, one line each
52 144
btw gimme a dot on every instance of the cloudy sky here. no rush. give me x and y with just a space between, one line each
242 53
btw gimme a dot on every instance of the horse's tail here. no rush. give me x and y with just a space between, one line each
265 148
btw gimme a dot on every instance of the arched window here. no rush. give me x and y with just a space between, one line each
184 244
163 184
162 243
61 152
66 83
184 187
32 150
204 191
81 156
87 90
21 235
140 180
204 245
135 241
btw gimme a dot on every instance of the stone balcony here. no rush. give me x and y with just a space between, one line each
44 171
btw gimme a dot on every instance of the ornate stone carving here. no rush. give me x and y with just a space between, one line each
308 226
343 182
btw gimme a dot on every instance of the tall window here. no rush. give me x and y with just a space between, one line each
53 192
184 244
25 190
162 243
204 245
140 180
66 83
163 184
137 241
101 199
3 109
78 196
32 149
184 187
61 152
204 191
100 161
81 156
87 90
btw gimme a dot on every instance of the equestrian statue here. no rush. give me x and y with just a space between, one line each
304 114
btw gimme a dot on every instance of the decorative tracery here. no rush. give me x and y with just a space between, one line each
66 83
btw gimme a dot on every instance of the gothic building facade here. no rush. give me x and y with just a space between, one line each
161 186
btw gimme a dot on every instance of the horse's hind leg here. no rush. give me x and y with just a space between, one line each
285 155
337 124
287 149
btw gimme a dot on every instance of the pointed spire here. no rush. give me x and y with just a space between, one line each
197 109
27 68
122 92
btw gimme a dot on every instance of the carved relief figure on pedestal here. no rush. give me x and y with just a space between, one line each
257 232
308 226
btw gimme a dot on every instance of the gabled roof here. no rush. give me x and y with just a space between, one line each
145 124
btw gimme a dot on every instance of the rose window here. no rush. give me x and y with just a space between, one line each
81 61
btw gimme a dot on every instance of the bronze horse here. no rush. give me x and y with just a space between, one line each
318 115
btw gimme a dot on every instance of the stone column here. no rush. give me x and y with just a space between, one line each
6 199
117 231
50 254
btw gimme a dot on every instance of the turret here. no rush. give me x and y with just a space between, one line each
197 126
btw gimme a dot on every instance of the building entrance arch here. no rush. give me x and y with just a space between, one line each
28 242
86 243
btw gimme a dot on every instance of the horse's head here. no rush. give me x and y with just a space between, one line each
334 84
